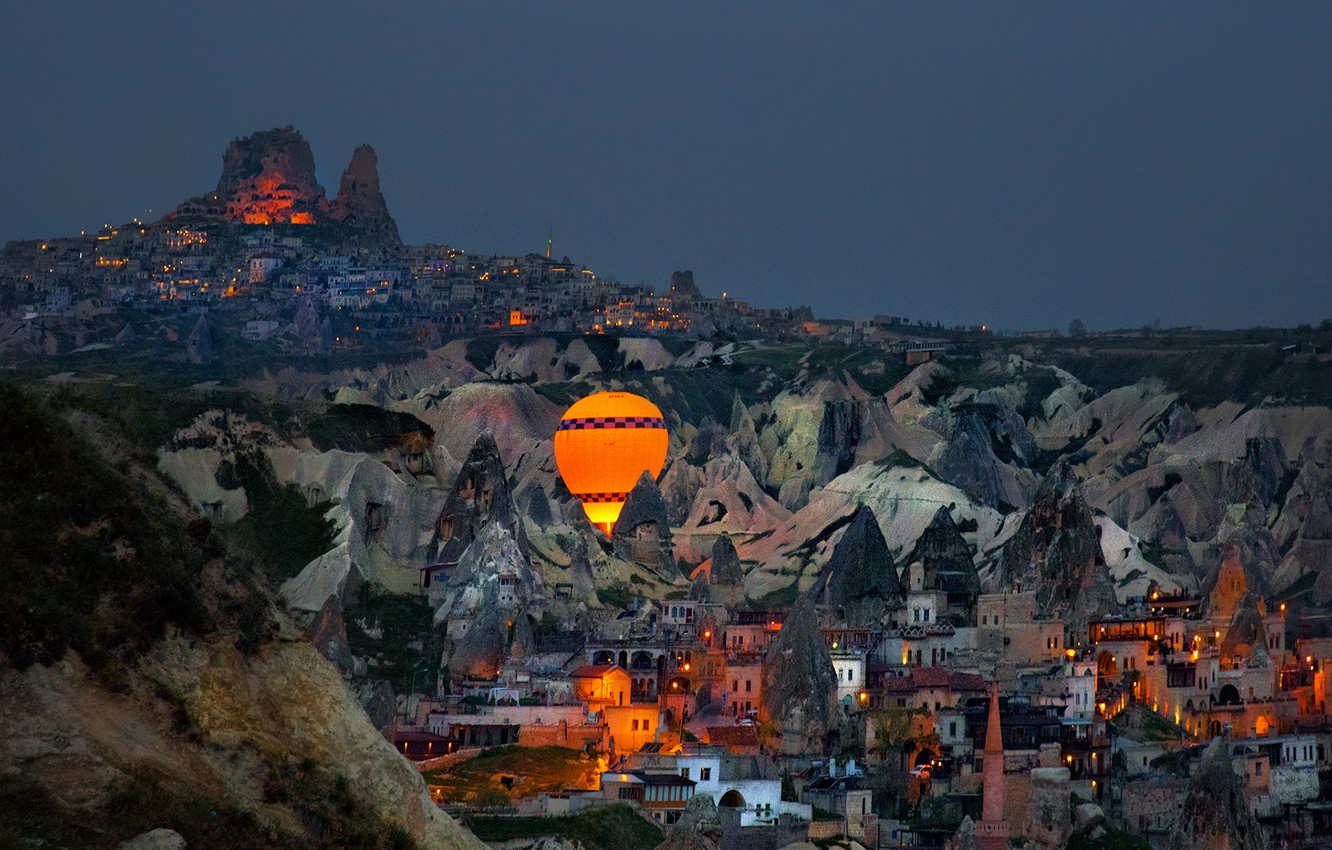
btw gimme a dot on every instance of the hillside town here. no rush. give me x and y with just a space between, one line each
268 257
885 681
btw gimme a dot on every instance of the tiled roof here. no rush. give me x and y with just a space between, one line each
593 671
733 736
966 682
930 677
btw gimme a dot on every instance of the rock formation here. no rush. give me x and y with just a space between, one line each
492 584
480 497
799 705
1089 821
943 560
157 839
580 571
725 569
1056 552
269 178
1047 821
1257 474
360 205
987 446
839 434
860 581
743 440
1215 813
699 827
683 286
643 531
700 590
1246 630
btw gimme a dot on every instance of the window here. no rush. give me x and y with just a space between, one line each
1257 768
735 685
635 726
952 729
749 686
705 773
684 773
647 725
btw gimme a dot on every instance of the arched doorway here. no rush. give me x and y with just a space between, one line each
603 657
925 756
1105 664
1228 695
732 799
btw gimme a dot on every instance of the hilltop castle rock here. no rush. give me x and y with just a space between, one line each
269 178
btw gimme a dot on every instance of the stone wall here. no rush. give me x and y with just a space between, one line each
560 735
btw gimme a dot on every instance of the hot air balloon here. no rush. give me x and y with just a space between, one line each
603 445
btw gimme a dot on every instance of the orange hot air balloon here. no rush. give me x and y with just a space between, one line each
603 445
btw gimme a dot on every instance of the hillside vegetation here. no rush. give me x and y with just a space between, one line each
148 681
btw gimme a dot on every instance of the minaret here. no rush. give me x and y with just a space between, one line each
550 241
993 829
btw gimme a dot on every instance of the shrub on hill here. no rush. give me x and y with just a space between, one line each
90 559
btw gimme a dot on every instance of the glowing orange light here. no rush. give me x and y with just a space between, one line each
604 443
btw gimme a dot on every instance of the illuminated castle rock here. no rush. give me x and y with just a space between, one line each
269 178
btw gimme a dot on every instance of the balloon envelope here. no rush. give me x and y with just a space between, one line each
604 443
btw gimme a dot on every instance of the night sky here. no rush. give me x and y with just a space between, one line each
1015 164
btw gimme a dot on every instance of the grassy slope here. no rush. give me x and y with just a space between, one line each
477 780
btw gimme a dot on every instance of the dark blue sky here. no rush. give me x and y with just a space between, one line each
1016 164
